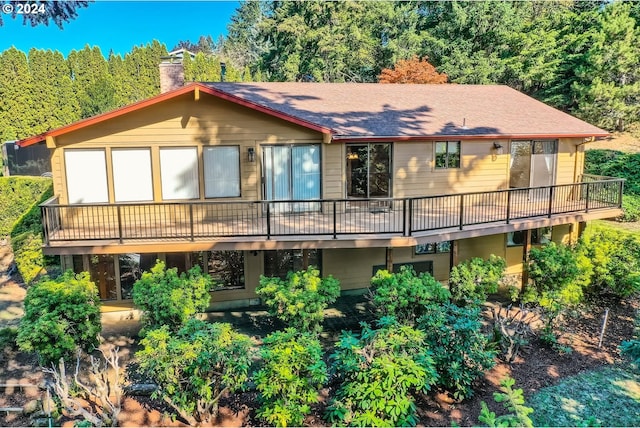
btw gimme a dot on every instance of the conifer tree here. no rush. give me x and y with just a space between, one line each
17 115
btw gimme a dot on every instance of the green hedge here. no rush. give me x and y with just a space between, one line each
17 196
21 219
613 163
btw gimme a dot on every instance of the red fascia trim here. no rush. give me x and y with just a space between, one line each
378 139
163 97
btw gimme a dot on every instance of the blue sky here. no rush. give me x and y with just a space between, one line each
120 25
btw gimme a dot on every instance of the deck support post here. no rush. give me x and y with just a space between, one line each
389 259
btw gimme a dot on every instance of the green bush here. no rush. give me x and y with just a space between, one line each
631 207
61 315
612 261
378 373
195 366
460 350
8 336
300 299
292 374
404 294
613 163
473 280
166 298
17 196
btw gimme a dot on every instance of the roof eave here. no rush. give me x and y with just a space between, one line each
382 138
163 97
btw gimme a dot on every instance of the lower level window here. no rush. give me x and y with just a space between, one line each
539 236
226 268
131 268
280 262
434 248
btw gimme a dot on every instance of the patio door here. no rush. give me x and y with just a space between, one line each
533 164
292 173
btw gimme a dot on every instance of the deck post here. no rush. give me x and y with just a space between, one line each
335 221
550 200
586 208
45 223
191 221
410 215
461 211
268 220
620 191
508 206
119 223
404 217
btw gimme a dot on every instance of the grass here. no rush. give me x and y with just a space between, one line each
603 397
633 227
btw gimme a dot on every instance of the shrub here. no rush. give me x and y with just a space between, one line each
612 258
8 336
460 350
292 374
404 294
300 299
166 298
631 207
472 280
513 402
631 348
17 196
61 315
378 373
195 366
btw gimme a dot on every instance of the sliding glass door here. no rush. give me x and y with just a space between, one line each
369 170
292 173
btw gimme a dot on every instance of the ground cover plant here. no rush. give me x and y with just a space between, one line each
61 315
513 402
300 299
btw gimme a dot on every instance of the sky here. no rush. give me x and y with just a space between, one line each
120 25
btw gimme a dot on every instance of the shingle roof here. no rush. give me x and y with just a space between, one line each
354 110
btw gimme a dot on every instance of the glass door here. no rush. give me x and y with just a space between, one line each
292 173
369 170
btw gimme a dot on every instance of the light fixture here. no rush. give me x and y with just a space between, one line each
497 147
352 156
251 154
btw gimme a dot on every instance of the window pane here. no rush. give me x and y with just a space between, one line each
130 272
453 158
305 164
86 172
227 268
515 239
179 171
280 262
441 155
221 171
444 247
379 170
132 175
357 171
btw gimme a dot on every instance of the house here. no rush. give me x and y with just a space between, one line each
250 179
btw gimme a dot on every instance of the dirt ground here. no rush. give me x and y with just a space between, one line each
622 141
537 367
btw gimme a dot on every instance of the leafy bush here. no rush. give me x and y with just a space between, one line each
460 350
378 373
61 315
404 294
612 260
556 274
299 300
8 336
631 348
196 366
167 298
292 374
17 196
472 280
631 207
513 402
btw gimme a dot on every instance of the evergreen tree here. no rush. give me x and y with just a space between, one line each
55 103
92 83
17 115
59 12
140 72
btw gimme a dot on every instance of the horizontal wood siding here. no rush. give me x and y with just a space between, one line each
482 168
333 164
482 246
566 167
353 266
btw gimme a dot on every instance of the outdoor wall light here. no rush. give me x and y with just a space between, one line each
251 154
497 147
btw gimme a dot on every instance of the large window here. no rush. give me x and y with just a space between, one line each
434 248
226 268
221 171
131 267
179 172
86 172
278 263
369 170
448 154
539 236
132 175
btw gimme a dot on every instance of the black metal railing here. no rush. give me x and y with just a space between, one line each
322 218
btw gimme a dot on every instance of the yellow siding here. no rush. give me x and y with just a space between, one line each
566 167
482 246
482 169
352 266
333 171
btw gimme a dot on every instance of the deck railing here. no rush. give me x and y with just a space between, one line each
328 219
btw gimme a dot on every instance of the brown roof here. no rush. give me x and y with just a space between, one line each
366 110
369 111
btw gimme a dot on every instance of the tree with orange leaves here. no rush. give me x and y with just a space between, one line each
414 70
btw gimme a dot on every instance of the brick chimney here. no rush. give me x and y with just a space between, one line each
171 74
